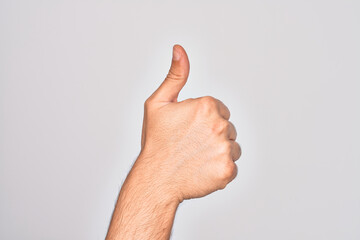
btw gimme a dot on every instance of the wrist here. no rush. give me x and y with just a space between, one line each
145 209
147 177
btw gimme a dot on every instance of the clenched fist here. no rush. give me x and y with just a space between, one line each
188 150
191 143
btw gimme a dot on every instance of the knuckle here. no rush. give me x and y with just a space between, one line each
224 125
220 126
148 103
208 99
225 148
227 171
207 104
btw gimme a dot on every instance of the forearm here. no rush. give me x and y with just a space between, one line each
144 209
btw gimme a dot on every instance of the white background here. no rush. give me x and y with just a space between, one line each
74 76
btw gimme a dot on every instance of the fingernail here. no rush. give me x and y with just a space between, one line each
176 54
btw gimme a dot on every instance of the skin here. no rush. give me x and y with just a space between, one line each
188 150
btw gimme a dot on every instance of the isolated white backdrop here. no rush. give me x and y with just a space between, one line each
74 76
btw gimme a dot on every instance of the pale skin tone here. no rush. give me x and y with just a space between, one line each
188 150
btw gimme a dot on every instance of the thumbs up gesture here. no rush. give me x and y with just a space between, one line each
188 148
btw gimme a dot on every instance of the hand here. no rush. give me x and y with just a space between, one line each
188 150
188 147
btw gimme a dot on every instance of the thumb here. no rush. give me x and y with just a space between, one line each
175 80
